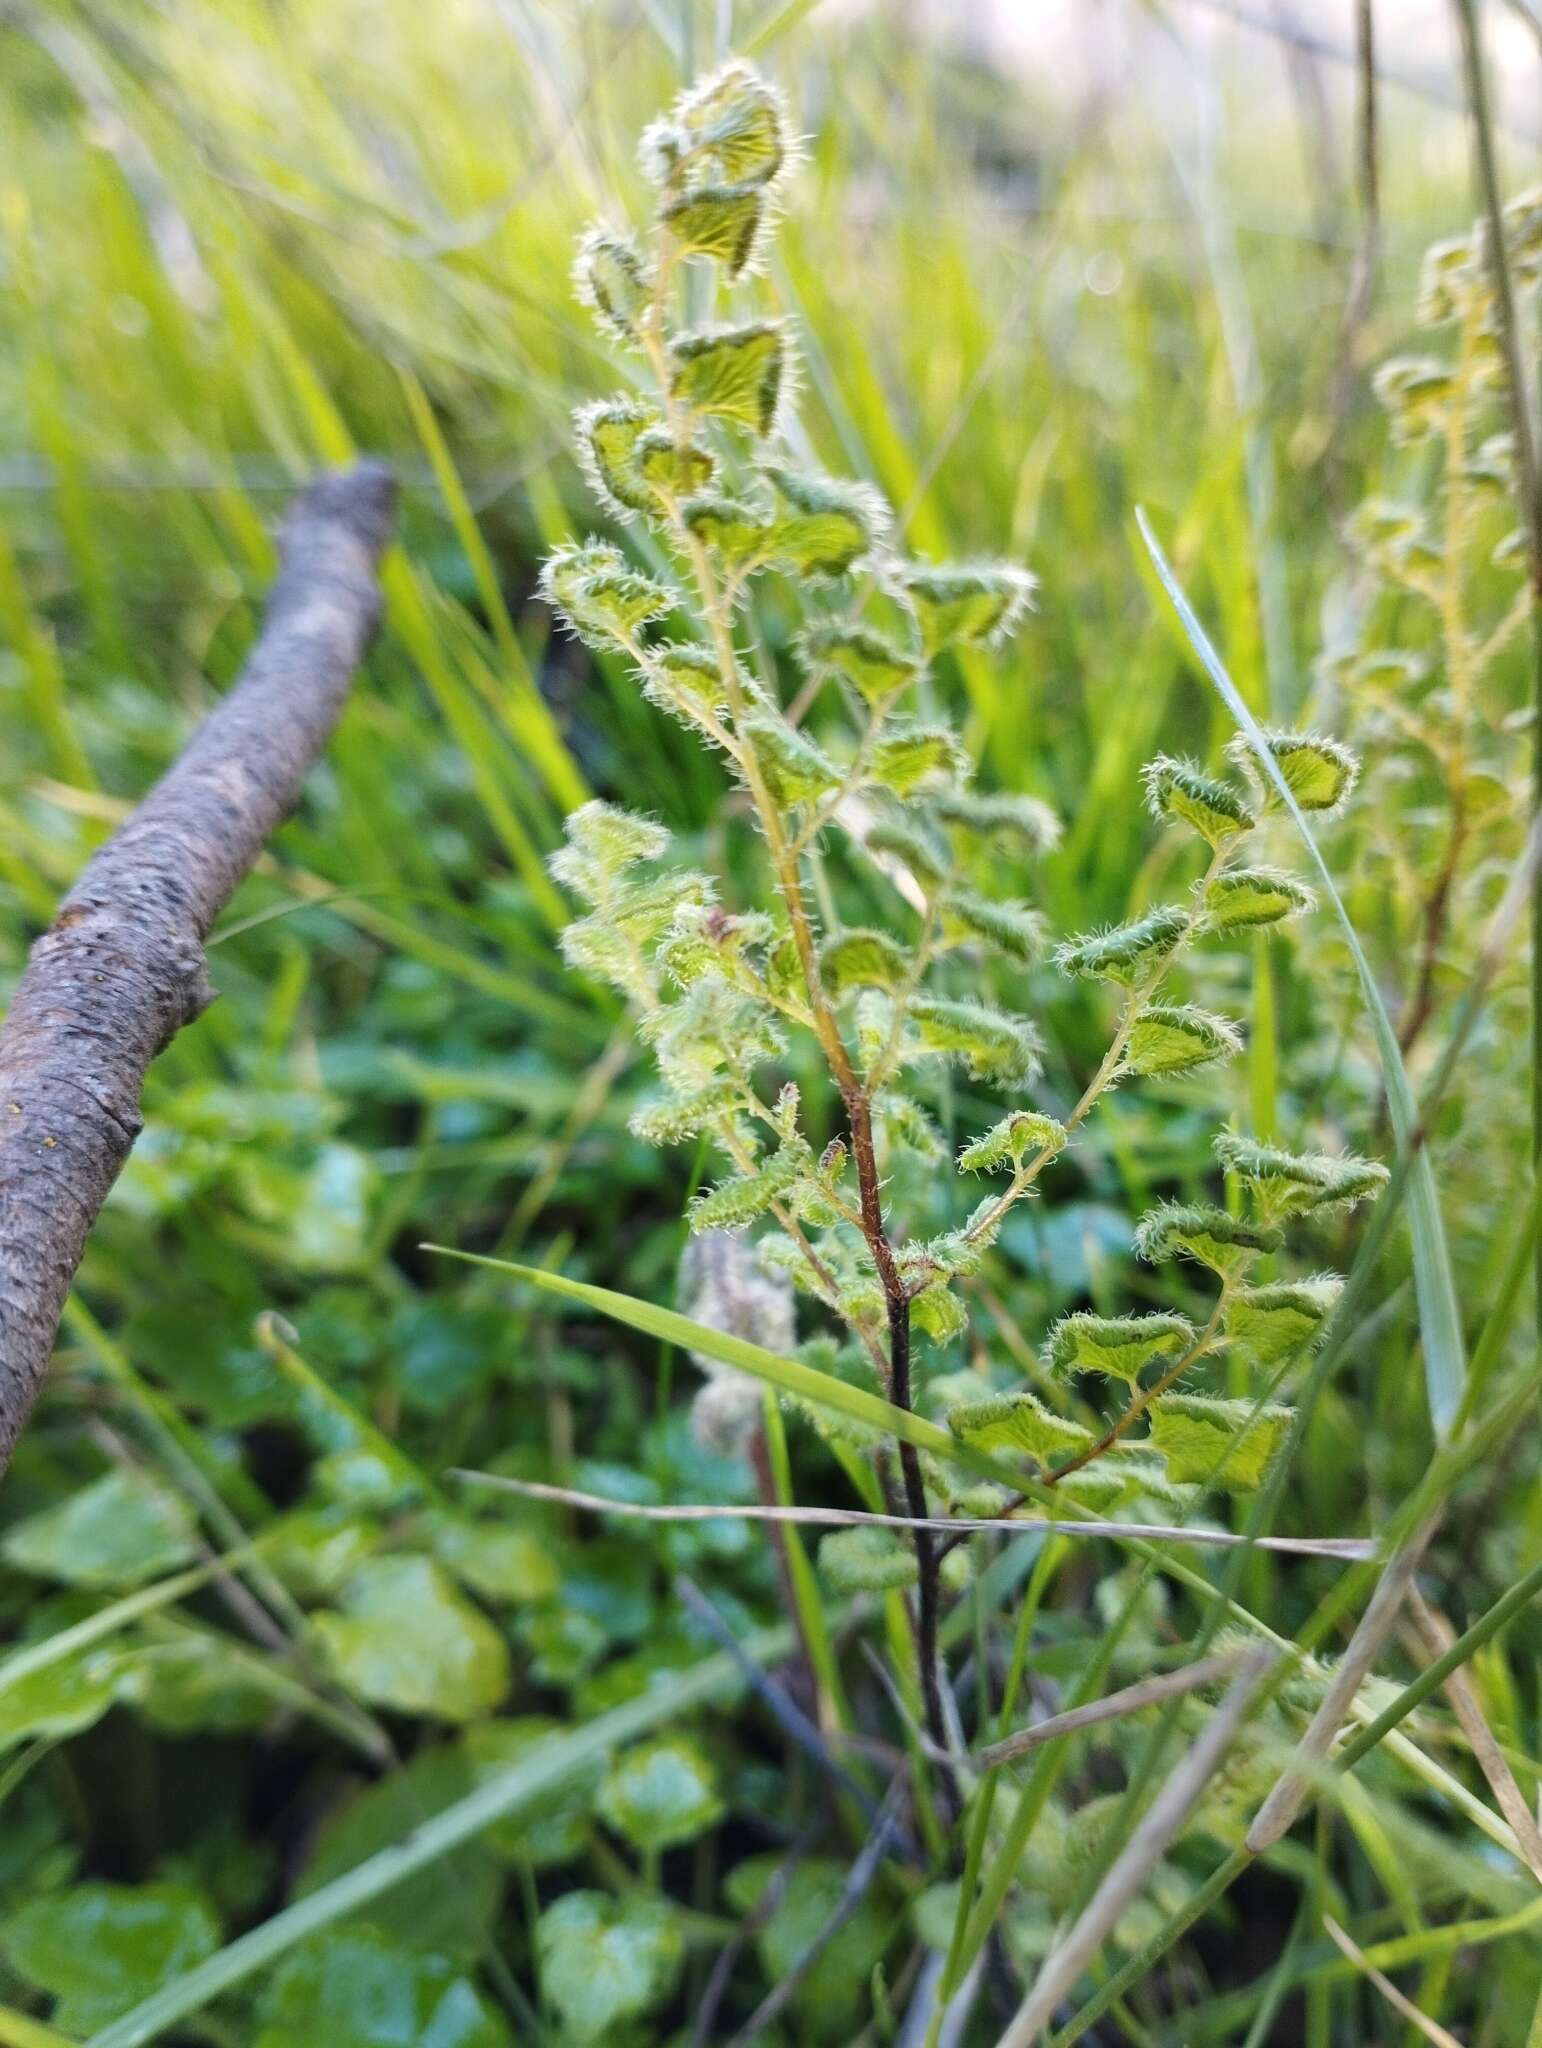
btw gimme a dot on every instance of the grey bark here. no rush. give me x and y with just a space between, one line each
121 970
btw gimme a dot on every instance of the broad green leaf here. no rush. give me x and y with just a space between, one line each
1195 1434
660 1793
314 1550
1120 1346
197 1682
1242 897
498 1560
405 1638
531 1778
100 1948
121 1530
1445 1363
1175 1038
354 1988
834 1991
731 373
867 1560
448 1909
1130 952
61 1699
1018 1422
552 1827
605 1960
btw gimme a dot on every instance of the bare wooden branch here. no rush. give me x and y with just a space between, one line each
121 970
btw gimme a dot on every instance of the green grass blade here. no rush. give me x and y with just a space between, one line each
1445 1367
434 1839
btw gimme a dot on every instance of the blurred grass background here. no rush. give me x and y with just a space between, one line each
1040 281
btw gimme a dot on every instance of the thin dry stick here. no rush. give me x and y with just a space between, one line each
1437 1635
122 970
1354 1548
1130 1869
1279 1810
1429 2028
1149 1692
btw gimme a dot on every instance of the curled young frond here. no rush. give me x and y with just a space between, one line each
599 596
1007 1144
603 842
613 278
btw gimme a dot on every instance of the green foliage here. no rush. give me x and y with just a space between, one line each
1018 1422
356 1990
660 1794
866 1560
98 1949
1175 1038
452 1664
1200 1231
604 1961
397 1056
120 1531
830 1994
1120 1346
1254 896
1217 1443
1130 953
